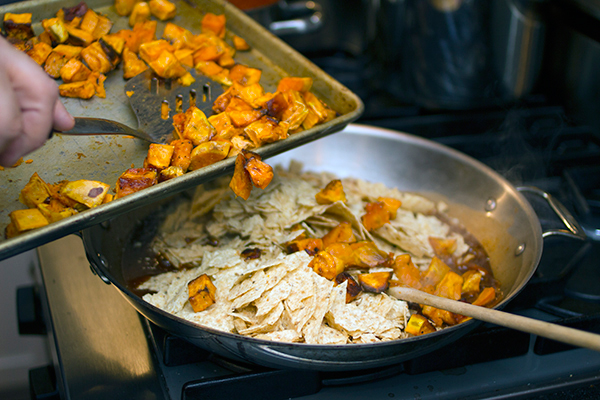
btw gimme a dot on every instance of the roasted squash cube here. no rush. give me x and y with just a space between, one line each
240 183
18 26
418 325
82 89
208 153
167 66
140 13
342 233
182 150
74 71
375 282
343 251
310 245
132 65
261 174
244 75
55 210
326 265
265 130
196 126
150 51
170 173
240 44
214 23
25 220
40 52
294 83
89 193
159 155
134 180
442 247
296 111
56 28
124 7
376 216
486 297
223 127
35 192
96 58
201 293
471 281
450 286
163 9
334 191
435 272
367 255
407 273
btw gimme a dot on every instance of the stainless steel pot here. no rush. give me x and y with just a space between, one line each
489 206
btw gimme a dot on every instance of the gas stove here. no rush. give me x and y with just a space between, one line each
103 348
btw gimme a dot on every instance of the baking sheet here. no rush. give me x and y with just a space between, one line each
104 158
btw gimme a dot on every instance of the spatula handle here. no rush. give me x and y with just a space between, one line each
541 328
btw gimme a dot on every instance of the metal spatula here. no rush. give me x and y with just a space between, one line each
154 103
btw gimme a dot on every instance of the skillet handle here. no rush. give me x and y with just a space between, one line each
574 230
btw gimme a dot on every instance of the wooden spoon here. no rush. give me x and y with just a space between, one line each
541 328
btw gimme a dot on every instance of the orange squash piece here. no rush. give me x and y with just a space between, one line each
407 273
163 9
240 183
294 83
134 180
201 293
334 191
342 233
418 325
182 150
375 282
208 153
376 216
214 23
159 155
326 265
353 288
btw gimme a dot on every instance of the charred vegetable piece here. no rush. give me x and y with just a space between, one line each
375 282
311 245
89 193
18 26
326 265
201 293
135 179
170 173
419 325
334 191
260 173
353 288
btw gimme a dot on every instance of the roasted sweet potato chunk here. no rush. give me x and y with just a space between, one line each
40 52
35 192
18 26
435 272
240 43
208 153
418 325
342 233
82 89
260 173
201 293
310 245
366 255
134 180
25 220
376 216
240 183
244 75
140 13
132 65
162 9
74 71
159 155
334 191
375 282
294 83
407 273
343 251
196 126
326 265
214 23
486 297
182 150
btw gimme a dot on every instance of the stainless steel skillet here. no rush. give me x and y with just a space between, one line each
510 231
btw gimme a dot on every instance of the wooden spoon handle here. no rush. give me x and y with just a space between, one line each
541 328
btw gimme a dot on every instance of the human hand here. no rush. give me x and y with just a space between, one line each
30 108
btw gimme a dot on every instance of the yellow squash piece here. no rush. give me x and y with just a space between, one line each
25 220
89 193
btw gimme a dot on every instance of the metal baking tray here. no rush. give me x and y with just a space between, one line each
104 158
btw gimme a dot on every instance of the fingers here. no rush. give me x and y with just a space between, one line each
34 107
63 121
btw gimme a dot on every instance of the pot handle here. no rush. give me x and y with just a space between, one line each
302 24
574 230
